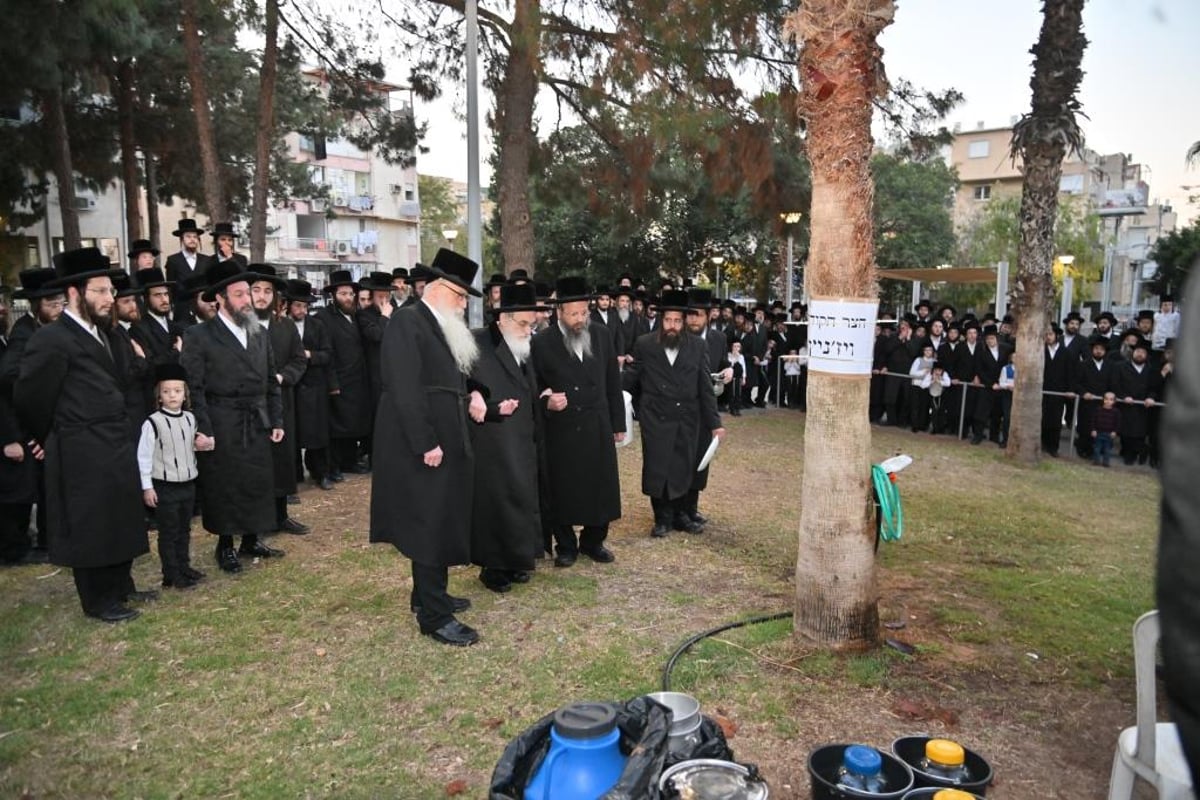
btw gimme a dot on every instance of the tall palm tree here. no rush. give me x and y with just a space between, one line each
1042 138
841 74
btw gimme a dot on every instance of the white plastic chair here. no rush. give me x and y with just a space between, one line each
1150 750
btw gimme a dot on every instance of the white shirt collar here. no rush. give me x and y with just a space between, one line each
235 329
87 326
672 354
160 320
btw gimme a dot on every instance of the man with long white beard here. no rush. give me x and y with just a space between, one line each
632 325
671 377
70 399
239 414
585 415
424 470
506 526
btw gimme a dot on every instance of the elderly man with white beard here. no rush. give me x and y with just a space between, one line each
506 525
421 493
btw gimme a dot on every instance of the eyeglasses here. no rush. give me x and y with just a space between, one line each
110 291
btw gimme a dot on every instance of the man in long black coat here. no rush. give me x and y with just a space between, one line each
350 409
70 397
1093 377
989 360
372 321
714 342
424 472
288 353
579 382
1135 385
314 388
671 378
155 332
1058 375
239 414
604 314
187 263
632 325
506 524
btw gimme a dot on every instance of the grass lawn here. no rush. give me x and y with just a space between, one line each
307 678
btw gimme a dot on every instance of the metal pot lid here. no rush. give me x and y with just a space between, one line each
712 779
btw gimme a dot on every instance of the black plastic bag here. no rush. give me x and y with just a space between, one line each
644 726
712 744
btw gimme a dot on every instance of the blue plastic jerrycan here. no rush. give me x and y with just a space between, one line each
585 759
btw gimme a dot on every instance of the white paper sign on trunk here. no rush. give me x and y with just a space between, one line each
841 336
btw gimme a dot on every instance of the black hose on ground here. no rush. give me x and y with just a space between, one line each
691 641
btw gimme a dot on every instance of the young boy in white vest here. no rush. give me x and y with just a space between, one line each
167 461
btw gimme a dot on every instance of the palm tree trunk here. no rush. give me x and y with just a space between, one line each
264 136
128 140
64 170
840 71
1041 138
210 162
514 116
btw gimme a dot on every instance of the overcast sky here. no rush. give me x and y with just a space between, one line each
1140 91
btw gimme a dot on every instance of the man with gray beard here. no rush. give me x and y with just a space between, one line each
239 413
506 526
424 470
579 382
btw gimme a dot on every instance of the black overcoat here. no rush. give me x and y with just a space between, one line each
616 331
140 397
675 402
18 479
371 325
71 397
288 353
1138 385
177 268
350 410
312 392
718 359
506 524
425 512
581 457
236 400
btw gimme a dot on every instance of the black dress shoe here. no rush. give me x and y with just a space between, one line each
496 581
564 559
227 560
698 517
179 581
260 550
456 603
359 469
192 574
454 633
325 483
337 476
519 576
293 527
144 596
600 554
117 613
660 531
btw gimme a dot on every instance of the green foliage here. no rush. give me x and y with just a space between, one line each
1176 254
439 212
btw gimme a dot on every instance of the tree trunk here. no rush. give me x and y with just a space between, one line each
840 71
64 171
128 140
1042 138
154 234
264 136
514 117
210 163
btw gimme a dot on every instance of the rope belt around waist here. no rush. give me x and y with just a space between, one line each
251 408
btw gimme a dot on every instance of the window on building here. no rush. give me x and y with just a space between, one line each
983 192
310 226
1071 184
410 192
978 149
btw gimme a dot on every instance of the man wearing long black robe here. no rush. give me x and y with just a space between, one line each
350 408
714 344
314 387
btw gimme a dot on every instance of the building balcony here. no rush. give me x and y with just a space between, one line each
362 246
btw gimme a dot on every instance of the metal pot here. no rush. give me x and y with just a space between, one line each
711 779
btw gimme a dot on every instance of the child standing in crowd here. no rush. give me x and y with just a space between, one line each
738 363
934 386
1105 422
920 370
167 462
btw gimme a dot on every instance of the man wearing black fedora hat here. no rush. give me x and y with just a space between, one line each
313 390
350 408
506 526
225 239
580 384
421 494
400 288
186 263
604 314
190 306
372 322
1136 384
70 397
232 378
159 336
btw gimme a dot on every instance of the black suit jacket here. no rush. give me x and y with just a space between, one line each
177 268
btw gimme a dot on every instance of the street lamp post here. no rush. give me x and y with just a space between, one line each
790 218
718 261
450 234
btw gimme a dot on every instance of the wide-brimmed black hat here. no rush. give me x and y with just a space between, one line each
169 371
1098 339
188 226
1145 313
298 291
952 309
456 268
623 291
699 299
518 275
970 325
35 284
151 277
1166 298
1141 344
990 330
140 246
543 290
1108 315
923 303
674 300
626 276
266 272
1074 315
221 274
519 297
125 286
419 274
376 282
400 272
74 267
224 229
497 279
340 277
571 289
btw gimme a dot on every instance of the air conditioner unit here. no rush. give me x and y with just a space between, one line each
395 188
318 205
343 248
85 202
339 200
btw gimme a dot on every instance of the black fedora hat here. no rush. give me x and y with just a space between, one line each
140 246
571 289
224 229
187 225
699 299
35 284
74 267
991 330
221 274
1074 315
376 282
1108 315
400 272
419 274
674 300
455 268
298 291
623 291
497 279
1145 313
151 277
519 297
125 286
340 277
170 371
266 272
518 275
543 290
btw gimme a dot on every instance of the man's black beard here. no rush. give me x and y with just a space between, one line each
670 339
342 308
263 314
90 315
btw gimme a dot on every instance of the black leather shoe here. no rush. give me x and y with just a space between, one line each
564 559
454 633
325 483
456 603
359 469
295 528
293 499
519 576
193 574
143 596
260 550
660 531
698 517
600 554
227 560
337 477
179 581
495 581
117 613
